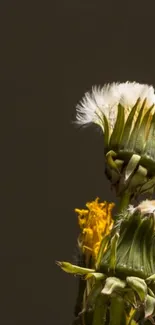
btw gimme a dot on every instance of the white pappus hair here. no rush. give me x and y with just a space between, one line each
106 99
145 207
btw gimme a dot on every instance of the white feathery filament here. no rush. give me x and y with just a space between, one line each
106 99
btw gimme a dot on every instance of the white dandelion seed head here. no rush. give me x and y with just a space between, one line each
145 207
131 209
106 99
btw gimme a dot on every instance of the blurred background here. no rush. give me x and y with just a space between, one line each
51 54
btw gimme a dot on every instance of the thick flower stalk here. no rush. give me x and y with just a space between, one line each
117 266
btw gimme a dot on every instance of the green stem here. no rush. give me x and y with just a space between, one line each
124 201
117 311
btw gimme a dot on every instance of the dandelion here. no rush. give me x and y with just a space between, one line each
95 223
117 279
104 102
126 114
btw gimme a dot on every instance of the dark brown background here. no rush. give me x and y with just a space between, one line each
51 53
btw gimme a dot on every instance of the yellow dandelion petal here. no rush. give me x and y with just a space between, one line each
95 223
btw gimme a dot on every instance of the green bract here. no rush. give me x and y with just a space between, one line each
130 151
134 252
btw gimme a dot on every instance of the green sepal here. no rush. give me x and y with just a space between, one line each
149 149
140 140
106 132
138 179
114 175
103 244
97 276
127 231
147 245
138 285
150 292
119 164
95 291
102 121
135 131
148 185
113 250
118 128
130 297
128 126
138 258
149 306
74 269
113 284
110 161
150 278
132 164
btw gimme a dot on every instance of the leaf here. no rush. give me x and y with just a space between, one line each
138 285
118 128
113 284
149 306
128 125
74 269
95 291
131 166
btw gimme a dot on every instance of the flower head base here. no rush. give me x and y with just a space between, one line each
95 223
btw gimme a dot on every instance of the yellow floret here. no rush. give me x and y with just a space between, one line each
95 223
